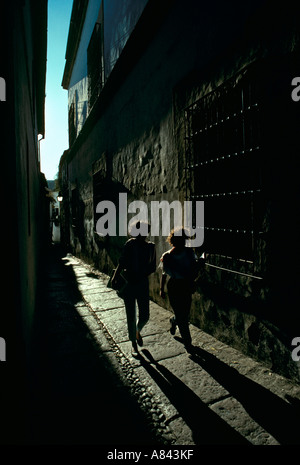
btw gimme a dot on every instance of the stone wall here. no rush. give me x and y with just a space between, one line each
135 141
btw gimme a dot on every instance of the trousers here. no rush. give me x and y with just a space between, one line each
180 296
136 301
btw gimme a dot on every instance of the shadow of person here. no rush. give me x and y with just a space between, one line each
68 366
206 426
273 413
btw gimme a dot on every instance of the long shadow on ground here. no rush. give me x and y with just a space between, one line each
206 426
77 397
274 414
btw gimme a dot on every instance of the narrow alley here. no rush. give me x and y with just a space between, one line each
88 389
78 394
183 117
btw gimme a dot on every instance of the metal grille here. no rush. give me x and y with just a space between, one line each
95 67
223 168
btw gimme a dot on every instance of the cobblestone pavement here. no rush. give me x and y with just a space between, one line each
94 391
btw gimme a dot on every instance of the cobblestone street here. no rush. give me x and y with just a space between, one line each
88 388
79 394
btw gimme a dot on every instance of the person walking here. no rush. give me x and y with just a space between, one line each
138 261
180 264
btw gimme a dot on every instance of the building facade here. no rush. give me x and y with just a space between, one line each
23 44
192 102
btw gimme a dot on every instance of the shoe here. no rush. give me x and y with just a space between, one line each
134 350
173 326
139 339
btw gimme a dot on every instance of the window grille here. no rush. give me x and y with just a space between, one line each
94 64
223 168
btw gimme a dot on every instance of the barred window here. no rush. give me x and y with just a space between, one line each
106 188
95 65
223 168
